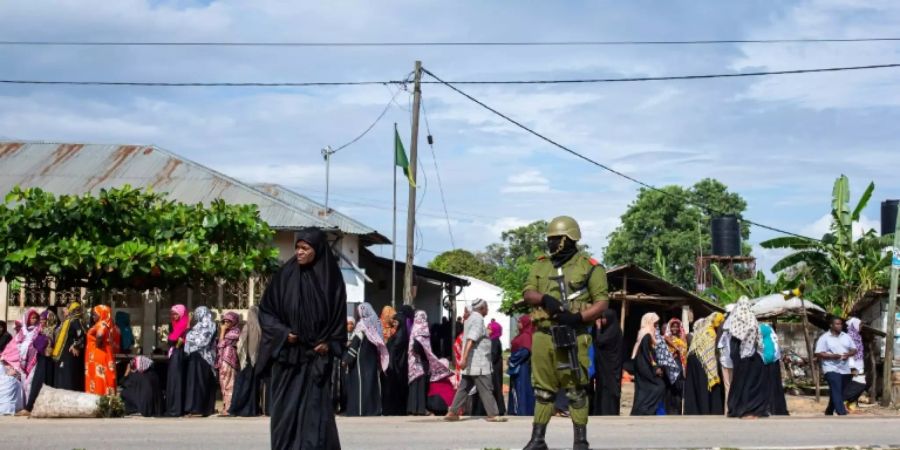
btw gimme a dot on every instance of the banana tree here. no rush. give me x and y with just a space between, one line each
840 269
728 289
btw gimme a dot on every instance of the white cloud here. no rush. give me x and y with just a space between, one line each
823 225
529 181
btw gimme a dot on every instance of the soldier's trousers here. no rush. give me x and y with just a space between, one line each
548 380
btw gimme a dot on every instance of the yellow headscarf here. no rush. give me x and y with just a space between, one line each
703 345
73 313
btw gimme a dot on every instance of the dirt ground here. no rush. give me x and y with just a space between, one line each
799 406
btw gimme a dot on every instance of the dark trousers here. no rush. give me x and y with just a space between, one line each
836 383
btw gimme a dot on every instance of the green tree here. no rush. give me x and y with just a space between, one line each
665 222
129 238
463 262
839 269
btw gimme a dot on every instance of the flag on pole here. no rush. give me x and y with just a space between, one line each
400 158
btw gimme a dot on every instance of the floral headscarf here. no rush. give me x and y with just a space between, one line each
665 359
854 326
422 335
202 336
228 345
140 364
387 323
27 339
742 324
370 327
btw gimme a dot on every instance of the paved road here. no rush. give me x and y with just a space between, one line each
428 433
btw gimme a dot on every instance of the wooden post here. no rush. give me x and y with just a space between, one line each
624 302
251 291
408 294
890 329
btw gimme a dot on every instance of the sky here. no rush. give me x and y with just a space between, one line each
777 141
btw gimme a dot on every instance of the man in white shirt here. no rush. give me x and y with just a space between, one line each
834 349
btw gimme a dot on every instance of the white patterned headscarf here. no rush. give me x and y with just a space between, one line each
369 326
742 324
202 336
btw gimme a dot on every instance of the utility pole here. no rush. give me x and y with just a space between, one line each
891 320
411 209
326 153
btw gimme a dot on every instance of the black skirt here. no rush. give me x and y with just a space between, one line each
417 399
175 383
649 389
245 397
362 383
200 388
141 394
750 393
699 400
42 373
302 408
777 403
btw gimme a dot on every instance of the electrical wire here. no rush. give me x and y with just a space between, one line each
367 130
438 173
604 166
460 82
572 43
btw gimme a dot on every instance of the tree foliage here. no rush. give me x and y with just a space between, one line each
839 268
665 222
463 262
728 289
129 238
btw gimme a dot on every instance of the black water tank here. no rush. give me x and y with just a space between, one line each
726 236
888 216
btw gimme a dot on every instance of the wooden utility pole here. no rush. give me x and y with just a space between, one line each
891 322
411 209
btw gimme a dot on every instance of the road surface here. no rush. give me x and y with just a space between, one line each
377 433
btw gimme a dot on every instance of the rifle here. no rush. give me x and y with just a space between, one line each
564 337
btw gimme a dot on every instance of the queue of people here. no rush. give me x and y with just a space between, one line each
92 356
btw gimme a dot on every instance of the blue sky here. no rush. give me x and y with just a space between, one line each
779 141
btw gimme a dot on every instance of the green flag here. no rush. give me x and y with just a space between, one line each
400 158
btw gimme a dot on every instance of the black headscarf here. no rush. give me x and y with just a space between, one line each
309 301
5 337
608 340
561 249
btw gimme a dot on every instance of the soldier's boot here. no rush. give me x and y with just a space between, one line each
537 441
581 442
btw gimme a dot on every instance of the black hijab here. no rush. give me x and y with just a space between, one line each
608 340
561 249
5 337
309 301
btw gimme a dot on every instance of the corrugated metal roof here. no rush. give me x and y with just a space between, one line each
81 168
334 218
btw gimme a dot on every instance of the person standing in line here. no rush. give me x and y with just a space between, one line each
703 391
521 392
123 321
725 362
608 356
396 378
302 315
834 349
476 366
68 350
177 367
200 349
42 373
424 366
100 360
245 399
227 360
649 386
857 385
365 361
676 348
770 351
750 394
566 291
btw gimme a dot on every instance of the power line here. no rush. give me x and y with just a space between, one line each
459 82
438 172
366 131
601 165
571 43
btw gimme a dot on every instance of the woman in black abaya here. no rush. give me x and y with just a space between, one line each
649 387
245 398
200 350
396 377
303 320
770 351
749 395
68 350
140 388
703 391
366 358
608 356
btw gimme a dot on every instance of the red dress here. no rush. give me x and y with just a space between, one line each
100 360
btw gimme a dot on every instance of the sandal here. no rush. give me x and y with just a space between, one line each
496 419
451 418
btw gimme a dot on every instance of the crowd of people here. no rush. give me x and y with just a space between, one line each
99 356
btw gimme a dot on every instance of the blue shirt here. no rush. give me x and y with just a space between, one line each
840 344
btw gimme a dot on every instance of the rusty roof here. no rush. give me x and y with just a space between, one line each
334 218
70 168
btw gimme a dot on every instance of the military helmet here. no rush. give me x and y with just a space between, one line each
564 226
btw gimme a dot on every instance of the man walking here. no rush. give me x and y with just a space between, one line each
834 349
475 365
567 292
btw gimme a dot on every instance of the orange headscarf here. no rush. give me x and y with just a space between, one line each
387 322
105 315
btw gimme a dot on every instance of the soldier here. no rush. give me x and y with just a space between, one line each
566 292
